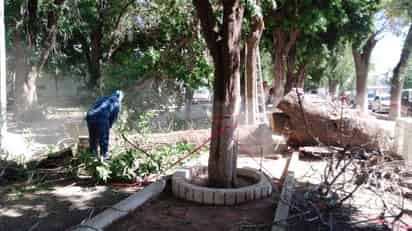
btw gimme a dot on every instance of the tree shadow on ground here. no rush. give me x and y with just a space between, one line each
56 207
170 213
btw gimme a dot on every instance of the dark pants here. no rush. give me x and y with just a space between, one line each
99 135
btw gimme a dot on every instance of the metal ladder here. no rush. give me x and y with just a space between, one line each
260 103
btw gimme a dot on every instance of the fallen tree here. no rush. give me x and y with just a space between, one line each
309 120
252 139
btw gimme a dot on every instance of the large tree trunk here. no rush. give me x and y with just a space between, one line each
291 76
26 95
279 66
3 82
226 102
302 74
27 72
322 124
398 77
361 83
32 22
332 87
26 92
95 53
250 85
361 59
252 44
96 38
283 42
294 79
188 103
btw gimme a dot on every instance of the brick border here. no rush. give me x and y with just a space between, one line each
182 188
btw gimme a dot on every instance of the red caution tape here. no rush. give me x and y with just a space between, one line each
400 226
134 184
146 181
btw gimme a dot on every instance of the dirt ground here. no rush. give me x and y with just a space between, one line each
56 207
59 127
170 213
64 204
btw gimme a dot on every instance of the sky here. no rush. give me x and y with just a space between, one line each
386 53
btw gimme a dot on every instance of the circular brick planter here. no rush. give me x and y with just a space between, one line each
183 188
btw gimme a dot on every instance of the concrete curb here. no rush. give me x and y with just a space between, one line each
184 189
282 210
121 209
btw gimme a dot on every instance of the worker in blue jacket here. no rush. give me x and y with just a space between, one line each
100 118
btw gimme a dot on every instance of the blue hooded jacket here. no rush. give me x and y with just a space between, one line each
105 109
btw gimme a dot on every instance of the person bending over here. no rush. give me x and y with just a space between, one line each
100 118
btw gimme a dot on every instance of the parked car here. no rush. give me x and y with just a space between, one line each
371 98
406 102
381 103
374 91
202 95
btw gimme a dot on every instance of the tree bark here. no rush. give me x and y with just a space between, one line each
332 85
96 51
398 77
361 82
302 77
361 59
31 15
294 78
96 37
283 42
319 124
279 66
302 74
291 76
25 83
27 72
188 103
3 81
50 41
252 44
225 51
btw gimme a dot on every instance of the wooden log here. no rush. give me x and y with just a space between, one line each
290 165
82 144
322 122
251 139
288 179
56 159
316 151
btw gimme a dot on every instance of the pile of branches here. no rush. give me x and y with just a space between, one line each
357 189
52 168
360 188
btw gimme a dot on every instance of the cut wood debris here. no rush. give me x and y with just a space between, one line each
312 122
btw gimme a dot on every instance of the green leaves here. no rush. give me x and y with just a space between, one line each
96 167
254 9
131 165
169 47
408 76
124 167
398 9
103 173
